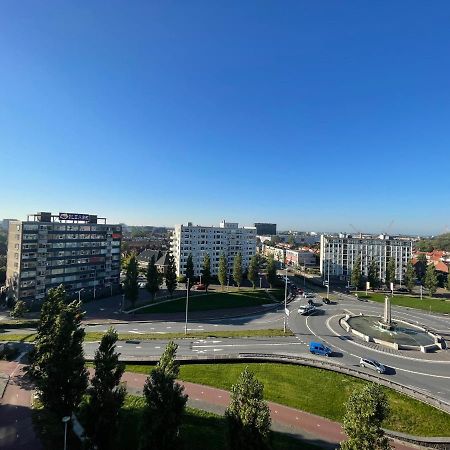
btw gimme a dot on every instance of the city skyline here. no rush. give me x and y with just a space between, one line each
310 116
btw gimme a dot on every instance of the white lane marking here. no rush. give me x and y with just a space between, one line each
168 328
157 347
138 346
119 346
250 345
135 332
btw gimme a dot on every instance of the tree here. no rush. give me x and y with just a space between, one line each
291 240
130 284
372 276
190 270
356 278
57 363
247 415
421 267
271 271
410 276
448 282
206 271
223 270
366 409
165 403
171 275
106 393
253 270
390 272
237 270
431 281
153 279
19 310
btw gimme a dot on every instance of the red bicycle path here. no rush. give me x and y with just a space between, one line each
305 426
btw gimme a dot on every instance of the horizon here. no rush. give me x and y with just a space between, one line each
311 116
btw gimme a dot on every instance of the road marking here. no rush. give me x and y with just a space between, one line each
273 344
135 332
157 347
138 346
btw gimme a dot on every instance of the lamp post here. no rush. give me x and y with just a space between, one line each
95 280
187 306
285 302
65 420
228 282
123 303
79 294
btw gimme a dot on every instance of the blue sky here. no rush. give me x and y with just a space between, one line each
313 115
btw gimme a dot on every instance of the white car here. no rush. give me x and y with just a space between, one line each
142 284
305 310
372 364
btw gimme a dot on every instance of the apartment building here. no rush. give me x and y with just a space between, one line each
80 251
227 238
300 258
338 254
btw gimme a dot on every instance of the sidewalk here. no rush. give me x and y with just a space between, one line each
16 427
302 425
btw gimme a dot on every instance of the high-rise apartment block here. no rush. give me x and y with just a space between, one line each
338 254
198 240
266 229
80 251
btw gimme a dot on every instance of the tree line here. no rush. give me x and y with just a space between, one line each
421 272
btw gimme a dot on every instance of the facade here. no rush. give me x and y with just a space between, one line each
75 250
279 254
300 258
198 240
338 254
266 229
161 259
5 224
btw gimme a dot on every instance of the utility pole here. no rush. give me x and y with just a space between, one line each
187 306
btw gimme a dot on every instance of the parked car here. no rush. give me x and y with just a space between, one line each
372 364
309 295
142 284
306 310
317 348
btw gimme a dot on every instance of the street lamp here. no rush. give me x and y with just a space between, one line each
187 306
79 294
285 302
65 419
228 282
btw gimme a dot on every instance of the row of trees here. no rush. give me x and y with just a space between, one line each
427 276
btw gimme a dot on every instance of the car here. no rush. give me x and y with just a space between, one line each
142 284
372 364
317 348
308 295
306 310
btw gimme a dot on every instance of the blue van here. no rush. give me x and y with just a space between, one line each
316 348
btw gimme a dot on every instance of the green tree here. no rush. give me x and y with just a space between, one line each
366 409
19 310
248 416
165 404
253 270
390 272
206 271
223 270
57 363
171 275
291 240
356 278
410 276
448 282
106 393
237 270
271 271
130 285
153 278
190 270
372 276
421 267
430 280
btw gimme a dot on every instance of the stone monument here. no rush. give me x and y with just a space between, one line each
386 323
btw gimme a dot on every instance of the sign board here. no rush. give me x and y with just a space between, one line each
392 286
286 310
73 216
367 285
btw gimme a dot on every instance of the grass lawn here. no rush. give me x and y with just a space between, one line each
19 323
214 300
427 303
96 336
317 391
200 430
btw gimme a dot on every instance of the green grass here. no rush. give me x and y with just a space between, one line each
317 391
211 301
200 430
19 323
96 336
426 304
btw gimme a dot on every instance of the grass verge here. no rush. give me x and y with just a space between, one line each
211 301
317 391
96 336
426 304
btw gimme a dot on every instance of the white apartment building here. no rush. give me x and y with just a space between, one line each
198 240
338 254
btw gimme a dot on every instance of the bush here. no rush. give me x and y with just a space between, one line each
19 310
